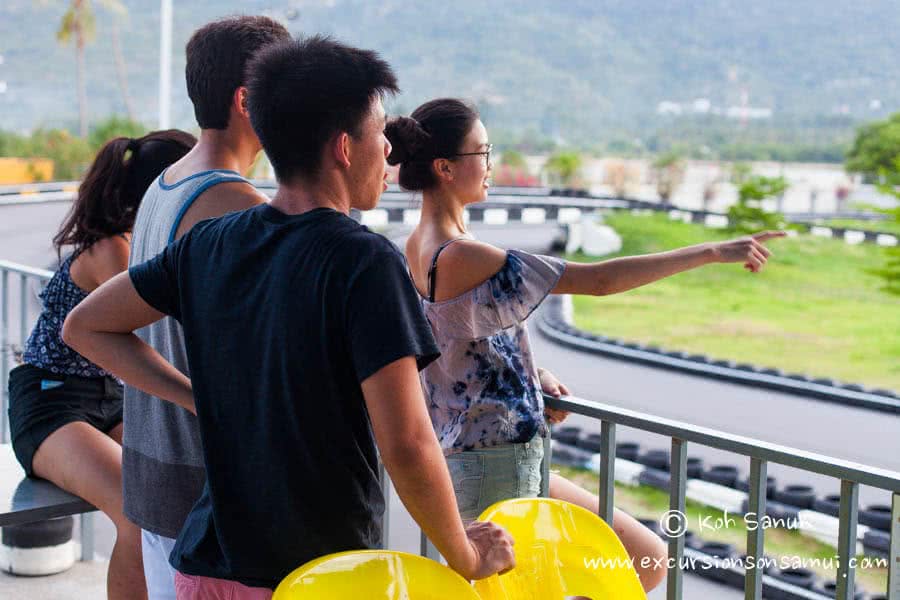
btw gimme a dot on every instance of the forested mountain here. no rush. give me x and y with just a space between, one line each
583 71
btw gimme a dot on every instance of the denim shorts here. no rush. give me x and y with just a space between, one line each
487 475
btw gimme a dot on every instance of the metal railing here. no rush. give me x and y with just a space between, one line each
759 454
25 274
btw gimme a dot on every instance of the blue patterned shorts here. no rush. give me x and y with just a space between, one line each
487 475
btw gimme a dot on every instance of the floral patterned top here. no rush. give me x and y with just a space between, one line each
484 389
45 348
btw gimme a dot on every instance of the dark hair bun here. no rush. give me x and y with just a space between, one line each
407 139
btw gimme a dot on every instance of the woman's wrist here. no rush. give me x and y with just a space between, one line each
710 251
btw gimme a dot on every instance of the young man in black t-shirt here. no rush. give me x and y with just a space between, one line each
304 334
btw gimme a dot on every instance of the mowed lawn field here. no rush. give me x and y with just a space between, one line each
814 309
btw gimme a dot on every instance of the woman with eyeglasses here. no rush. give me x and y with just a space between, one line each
484 392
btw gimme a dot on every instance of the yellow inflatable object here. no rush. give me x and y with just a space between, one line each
374 575
561 550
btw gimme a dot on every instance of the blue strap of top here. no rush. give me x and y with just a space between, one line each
432 271
227 177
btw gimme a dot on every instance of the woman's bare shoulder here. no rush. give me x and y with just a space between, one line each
105 259
464 265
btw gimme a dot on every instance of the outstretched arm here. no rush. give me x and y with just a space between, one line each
626 273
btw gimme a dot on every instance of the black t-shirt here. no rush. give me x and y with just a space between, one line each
284 316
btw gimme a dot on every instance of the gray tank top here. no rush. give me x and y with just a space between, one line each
162 465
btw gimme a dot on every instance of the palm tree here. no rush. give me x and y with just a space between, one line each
565 166
119 10
79 26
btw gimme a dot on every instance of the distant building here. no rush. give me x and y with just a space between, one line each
701 106
748 112
668 108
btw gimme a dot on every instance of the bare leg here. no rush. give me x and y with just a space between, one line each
86 462
646 549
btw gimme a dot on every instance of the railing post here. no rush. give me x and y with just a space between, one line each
4 355
677 485
607 470
894 554
23 309
756 538
847 539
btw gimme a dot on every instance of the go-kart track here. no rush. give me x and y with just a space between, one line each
847 432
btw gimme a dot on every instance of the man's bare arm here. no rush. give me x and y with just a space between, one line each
101 329
413 458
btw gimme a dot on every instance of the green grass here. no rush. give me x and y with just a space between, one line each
644 502
814 309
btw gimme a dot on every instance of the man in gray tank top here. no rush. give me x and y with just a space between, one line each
162 466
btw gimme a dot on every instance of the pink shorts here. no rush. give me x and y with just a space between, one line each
193 587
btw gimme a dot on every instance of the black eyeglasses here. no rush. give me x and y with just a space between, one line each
486 154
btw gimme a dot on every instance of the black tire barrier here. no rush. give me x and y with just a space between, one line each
652 525
722 574
829 505
564 456
877 540
694 467
801 496
717 549
655 459
567 435
782 513
826 389
800 577
726 475
46 547
877 516
829 588
628 451
767 563
655 478
570 456
691 540
771 486
591 443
